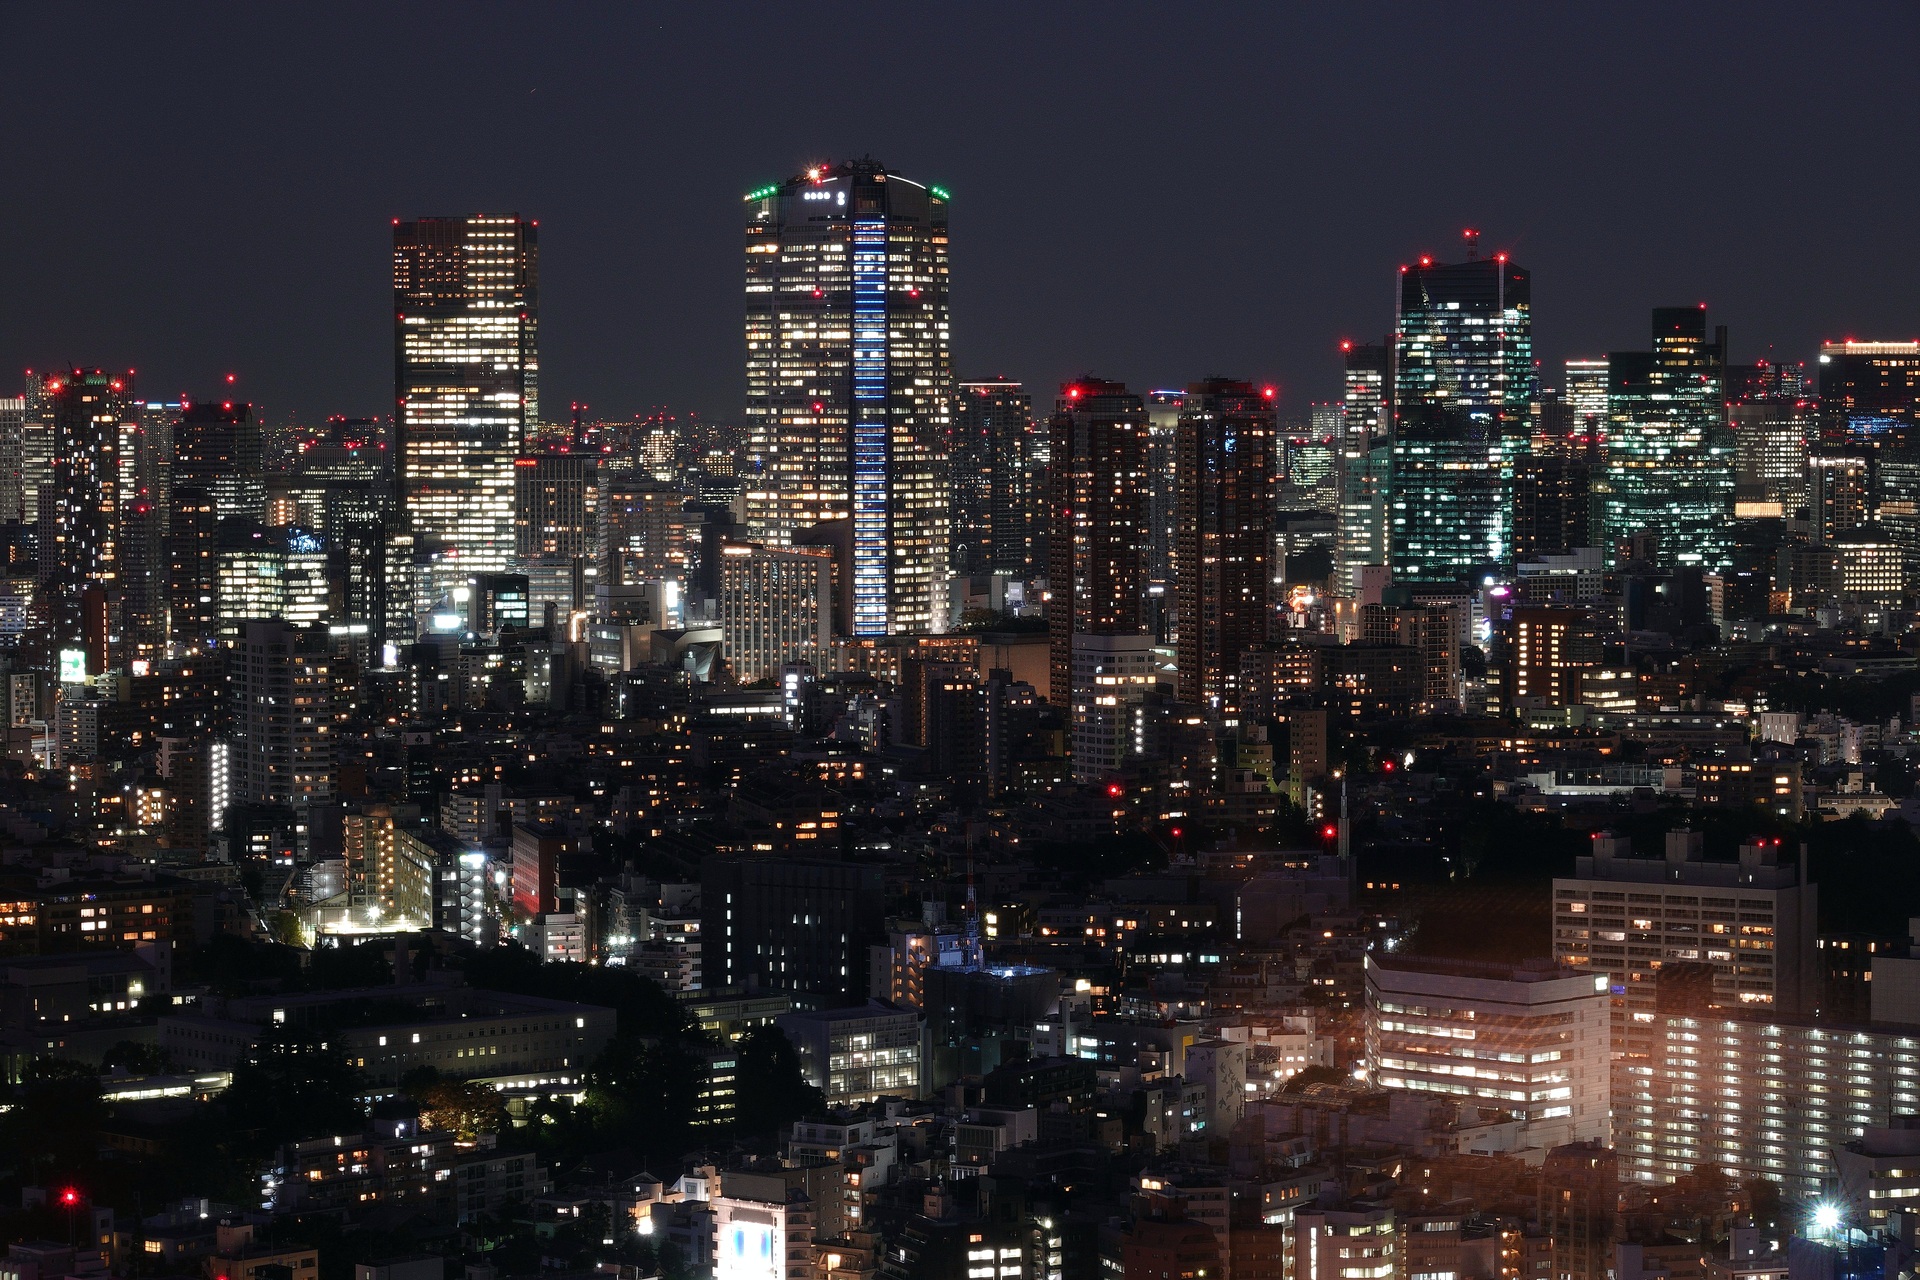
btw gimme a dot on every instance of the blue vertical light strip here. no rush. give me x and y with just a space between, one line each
870 427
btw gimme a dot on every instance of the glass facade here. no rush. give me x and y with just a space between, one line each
849 379
1365 460
1669 457
1462 380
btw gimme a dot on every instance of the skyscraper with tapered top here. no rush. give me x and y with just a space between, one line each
850 379
466 388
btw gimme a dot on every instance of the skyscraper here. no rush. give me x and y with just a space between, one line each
466 387
849 376
80 510
1365 458
1870 390
1223 532
1462 377
1016 453
218 447
1097 573
1669 458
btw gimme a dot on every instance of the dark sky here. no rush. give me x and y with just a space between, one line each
1150 192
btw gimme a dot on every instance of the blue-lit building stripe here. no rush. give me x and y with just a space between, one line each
870 426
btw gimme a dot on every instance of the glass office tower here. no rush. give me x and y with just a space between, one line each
466 386
1462 380
1365 458
850 377
1223 534
1669 459
1870 391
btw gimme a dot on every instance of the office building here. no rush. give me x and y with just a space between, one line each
265 572
849 374
1770 447
13 426
1547 657
859 1054
193 571
1462 379
775 607
1838 497
1870 392
1752 920
1344 1244
1099 527
1366 461
1669 463
467 389
790 924
1223 534
1530 1039
556 529
1585 393
219 447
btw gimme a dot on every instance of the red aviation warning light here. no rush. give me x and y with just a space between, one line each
1269 392
1115 791
69 1196
1329 831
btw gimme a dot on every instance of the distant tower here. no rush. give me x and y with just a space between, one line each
1223 532
466 386
849 379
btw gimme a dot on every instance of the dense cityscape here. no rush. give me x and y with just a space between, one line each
923 825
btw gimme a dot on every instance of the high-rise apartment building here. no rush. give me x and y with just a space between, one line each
13 426
80 519
281 684
193 577
1669 458
850 375
1001 413
1365 458
466 387
1097 569
1462 379
1753 921
1580 1209
1223 533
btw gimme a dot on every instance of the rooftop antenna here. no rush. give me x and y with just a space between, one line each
1473 244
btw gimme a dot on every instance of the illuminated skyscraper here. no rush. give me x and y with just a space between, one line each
1462 378
1223 533
1669 456
218 447
466 385
80 510
1870 390
1016 483
1365 458
850 377
1097 573
1586 395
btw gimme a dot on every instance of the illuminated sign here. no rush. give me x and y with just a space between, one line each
73 666
746 1252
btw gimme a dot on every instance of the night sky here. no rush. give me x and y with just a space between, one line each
1148 192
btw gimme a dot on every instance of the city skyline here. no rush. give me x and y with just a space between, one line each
1262 272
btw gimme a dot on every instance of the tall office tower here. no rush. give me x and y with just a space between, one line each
1462 377
1766 380
556 528
1770 443
193 583
1223 479
280 682
266 572
36 446
1002 412
1870 391
645 524
218 447
775 607
80 509
466 388
1668 467
143 607
1898 512
1365 457
850 376
1586 395
1580 1209
1097 566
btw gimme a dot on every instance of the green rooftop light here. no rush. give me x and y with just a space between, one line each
941 192
763 192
